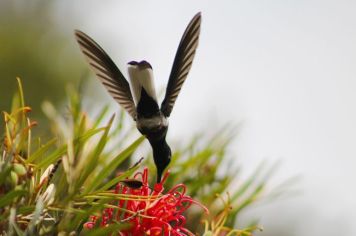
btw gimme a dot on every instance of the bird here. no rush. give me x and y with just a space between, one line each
139 97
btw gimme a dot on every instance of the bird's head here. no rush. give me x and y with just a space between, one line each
162 160
141 77
141 65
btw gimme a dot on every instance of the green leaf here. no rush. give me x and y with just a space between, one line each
248 183
10 196
63 150
117 179
110 167
25 210
41 151
4 174
52 157
101 116
250 199
92 160
20 90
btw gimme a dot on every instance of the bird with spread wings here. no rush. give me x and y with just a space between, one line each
139 99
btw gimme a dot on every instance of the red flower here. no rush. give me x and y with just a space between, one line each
149 211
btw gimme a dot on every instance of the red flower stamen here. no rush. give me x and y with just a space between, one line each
155 213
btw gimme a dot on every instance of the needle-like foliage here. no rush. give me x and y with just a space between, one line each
54 186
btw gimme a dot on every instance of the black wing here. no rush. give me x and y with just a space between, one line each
182 63
107 72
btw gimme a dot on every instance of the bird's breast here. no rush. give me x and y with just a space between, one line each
151 125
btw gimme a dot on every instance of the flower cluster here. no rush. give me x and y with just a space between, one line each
148 211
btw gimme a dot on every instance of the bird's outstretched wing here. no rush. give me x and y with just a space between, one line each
107 72
182 63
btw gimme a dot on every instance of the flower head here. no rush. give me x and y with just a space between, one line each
148 211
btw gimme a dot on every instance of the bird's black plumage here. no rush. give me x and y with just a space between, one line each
151 120
147 107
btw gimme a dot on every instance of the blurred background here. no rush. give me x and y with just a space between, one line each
284 71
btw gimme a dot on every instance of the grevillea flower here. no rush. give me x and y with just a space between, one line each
148 211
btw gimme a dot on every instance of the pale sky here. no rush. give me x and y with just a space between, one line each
285 70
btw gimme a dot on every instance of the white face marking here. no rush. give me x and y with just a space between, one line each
141 78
